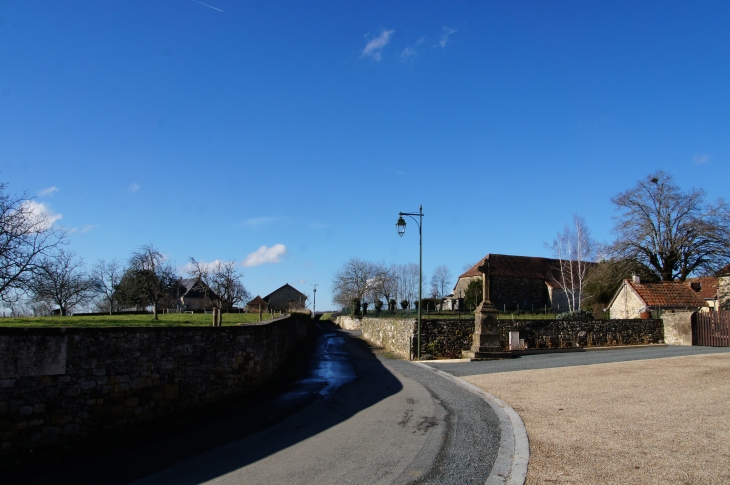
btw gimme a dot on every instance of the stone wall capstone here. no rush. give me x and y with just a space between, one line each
88 380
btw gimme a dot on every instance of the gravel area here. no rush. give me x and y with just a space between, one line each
653 421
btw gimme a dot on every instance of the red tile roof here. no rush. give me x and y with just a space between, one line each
519 267
667 294
708 286
724 271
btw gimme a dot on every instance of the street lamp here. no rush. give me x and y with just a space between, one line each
314 312
401 227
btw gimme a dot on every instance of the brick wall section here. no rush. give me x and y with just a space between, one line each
552 334
112 377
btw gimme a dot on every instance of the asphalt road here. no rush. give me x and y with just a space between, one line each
396 423
545 361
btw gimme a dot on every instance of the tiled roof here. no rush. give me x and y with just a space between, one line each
267 297
257 301
708 286
667 294
519 267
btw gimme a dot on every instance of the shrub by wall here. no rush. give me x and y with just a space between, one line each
57 384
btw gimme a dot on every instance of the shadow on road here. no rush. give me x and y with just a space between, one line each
335 372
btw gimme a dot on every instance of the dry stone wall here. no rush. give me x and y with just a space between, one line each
58 384
393 334
555 334
447 338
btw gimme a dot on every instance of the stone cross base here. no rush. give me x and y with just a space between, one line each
486 331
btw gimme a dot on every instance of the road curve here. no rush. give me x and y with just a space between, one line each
397 423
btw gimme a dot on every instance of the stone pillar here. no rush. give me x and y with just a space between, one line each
486 331
485 342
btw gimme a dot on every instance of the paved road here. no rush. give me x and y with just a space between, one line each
569 359
396 423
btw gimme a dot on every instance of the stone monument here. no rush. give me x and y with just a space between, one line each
485 342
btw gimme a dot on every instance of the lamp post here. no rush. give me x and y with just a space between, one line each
401 226
314 312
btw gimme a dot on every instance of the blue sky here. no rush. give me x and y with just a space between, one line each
213 130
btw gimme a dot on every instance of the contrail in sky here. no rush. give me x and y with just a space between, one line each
210 6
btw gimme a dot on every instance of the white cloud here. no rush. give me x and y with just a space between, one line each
700 159
446 32
84 229
42 213
134 187
264 255
48 191
411 51
375 46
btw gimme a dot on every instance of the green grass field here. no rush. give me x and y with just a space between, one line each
165 320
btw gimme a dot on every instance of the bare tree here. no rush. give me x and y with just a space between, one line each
407 275
26 235
675 233
61 280
106 277
384 284
221 283
573 248
441 280
354 280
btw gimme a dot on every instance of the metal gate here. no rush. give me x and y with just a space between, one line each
712 328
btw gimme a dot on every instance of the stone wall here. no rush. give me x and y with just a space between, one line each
348 323
57 384
441 339
626 304
506 292
395 335
552 334
445 339
677 327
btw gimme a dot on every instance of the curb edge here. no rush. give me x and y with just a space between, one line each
510 466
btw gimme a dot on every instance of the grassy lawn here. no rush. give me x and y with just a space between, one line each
165 320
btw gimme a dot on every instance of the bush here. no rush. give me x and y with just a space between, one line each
404 304
356 307
378 305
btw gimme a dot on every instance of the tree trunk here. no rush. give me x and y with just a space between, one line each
154 306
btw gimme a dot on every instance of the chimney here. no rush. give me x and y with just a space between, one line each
635 278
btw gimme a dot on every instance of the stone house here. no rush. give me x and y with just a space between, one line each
519 282
193 294
706 288
723 288
286 299
676 300
257 305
